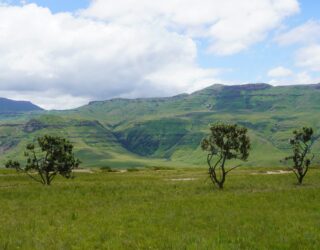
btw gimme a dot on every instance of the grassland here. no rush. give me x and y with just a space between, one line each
160 209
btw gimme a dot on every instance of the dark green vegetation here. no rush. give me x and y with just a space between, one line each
302 156
51 156
166 209
226 142
168 131
10 106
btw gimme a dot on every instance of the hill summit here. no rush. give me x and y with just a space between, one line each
11 106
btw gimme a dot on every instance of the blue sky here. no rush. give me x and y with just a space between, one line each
119 50
57 5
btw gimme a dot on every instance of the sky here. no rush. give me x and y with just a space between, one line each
61 54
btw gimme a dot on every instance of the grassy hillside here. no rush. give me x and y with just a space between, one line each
168 131
96 145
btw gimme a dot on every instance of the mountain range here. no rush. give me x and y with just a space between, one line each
11 106
124 133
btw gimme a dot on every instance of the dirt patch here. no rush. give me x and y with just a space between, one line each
120 171
184 179
277 172
88 171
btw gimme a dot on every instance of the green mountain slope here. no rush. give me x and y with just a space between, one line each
168 131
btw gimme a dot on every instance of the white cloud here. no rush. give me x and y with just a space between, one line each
230 25
305 78
307 33
299 77
124 48
309 57
307 36
279 72
41 51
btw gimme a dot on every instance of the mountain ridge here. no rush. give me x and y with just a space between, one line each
216 86
13 106
168 131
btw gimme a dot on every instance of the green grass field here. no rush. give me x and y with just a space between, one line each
166 209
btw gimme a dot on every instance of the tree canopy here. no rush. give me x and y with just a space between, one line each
301 158
50 156
225 142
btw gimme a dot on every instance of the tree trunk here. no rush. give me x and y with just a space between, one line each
300 179
215 180
300 175
220 184
213 174
48 181
223 178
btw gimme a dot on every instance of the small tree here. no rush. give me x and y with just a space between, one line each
226 142
302 157
52 156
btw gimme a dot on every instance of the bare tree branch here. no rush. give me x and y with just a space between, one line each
233 168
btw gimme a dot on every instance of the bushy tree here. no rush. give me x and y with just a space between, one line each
51 156
225 142
302 157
